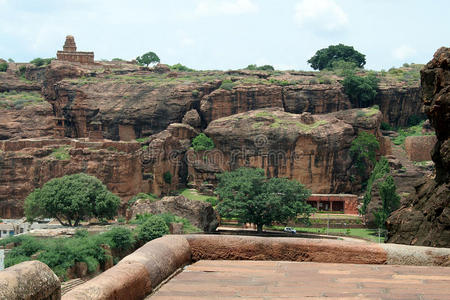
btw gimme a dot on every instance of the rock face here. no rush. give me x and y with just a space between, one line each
26 122
27 164
313 149
200 214
398 103
425 217
419 147
29 280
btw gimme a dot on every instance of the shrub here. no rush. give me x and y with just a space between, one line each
415 120
195 93
181 68
360 90
202 142
227 85
81 233
260 68
150 197
41 61
153 228
187 226
381 168
363 150
121 238
22 70
117 59
386 126
167 176
3 67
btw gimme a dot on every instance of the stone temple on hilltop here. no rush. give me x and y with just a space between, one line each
71 54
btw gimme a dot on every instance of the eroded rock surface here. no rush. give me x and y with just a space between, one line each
312 149
425 217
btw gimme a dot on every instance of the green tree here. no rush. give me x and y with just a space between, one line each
202 142
360 90
324 58
246 194
72 198
390 200
41 61
3 66
147 59
362 150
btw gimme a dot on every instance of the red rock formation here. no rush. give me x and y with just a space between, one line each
424 219
310 149
25 169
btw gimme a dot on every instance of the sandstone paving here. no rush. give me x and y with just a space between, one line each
207 279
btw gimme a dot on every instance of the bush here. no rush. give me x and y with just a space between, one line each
121 238
41 61
181 68
187 226
363 150
3 67
167 176
360 90
202 142
386 126
414 120
22 70
227 85
260 68
153 228
150 197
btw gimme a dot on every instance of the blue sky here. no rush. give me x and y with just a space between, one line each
227 34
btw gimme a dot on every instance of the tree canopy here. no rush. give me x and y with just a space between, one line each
72 198
324 58
246 194
363 150
147 59
360 90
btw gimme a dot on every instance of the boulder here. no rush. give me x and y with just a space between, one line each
419 148
29 280
200 214
192 118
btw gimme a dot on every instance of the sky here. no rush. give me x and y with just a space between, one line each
227 34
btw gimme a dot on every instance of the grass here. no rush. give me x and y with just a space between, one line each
194 195
370 234
61 153
18 100
409 131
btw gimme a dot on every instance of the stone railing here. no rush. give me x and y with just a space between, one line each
141 272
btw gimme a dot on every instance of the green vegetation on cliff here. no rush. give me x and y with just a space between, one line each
18 100
202 142
363 150
380 170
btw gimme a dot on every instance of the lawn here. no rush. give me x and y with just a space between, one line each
194 195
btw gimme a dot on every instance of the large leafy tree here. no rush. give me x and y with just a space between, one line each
324 58
246 194
147 59
71 199
360 90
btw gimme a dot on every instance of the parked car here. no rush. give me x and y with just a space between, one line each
290 230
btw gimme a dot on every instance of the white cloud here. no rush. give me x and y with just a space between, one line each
225 7
322 15
404 52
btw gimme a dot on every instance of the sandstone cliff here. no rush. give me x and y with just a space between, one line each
425 217
312 149
28 164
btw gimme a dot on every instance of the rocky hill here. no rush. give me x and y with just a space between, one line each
304 116
425 217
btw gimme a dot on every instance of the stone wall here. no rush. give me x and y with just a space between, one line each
78 57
